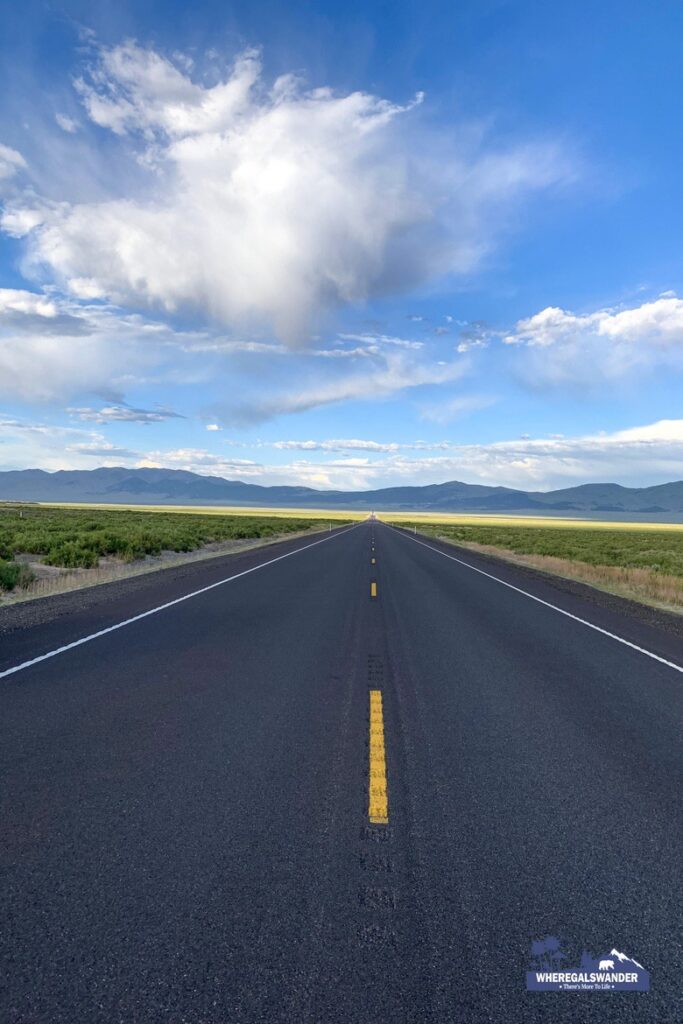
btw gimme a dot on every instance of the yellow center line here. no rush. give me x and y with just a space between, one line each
378 803
373 589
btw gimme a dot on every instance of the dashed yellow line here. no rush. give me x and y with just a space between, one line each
373 589
378 802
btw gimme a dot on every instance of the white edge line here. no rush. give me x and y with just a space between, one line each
584 622
163 607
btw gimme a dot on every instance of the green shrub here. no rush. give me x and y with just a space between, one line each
9 575
78 538
14 574
71 554
660 550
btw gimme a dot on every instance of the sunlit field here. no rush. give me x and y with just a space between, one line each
532 522
333 515
356 515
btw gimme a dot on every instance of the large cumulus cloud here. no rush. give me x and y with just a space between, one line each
269 203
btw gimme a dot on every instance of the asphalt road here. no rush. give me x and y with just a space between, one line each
184 818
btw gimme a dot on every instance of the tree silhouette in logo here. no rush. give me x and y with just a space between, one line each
547 953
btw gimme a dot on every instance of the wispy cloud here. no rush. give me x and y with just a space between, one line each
478 334
11 162
340 445
455 408
86 348
25 443
123 414
392 373
103 451
66 123
375 341
78 348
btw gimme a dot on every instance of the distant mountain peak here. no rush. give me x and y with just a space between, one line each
154 485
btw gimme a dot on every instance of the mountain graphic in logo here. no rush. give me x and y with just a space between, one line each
609 972
621 957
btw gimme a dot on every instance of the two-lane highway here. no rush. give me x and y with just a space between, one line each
351 785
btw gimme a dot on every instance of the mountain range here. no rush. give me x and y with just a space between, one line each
179 487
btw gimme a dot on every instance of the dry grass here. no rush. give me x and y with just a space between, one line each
645 585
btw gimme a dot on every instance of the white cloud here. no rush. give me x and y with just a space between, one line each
213 426
91 348
470 343
636 456
375 341
198 460
16 300
589 348
273 204
347 445
475 335
105 452
123 414
132 89
227 346
361 352
343 473
66 123
25 444
53 349
10 162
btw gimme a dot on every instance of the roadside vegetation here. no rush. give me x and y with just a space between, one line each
641 563
79 538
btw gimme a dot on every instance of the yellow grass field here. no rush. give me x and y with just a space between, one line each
425 518
215 510
552 522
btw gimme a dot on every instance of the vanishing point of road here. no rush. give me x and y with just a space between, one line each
345 779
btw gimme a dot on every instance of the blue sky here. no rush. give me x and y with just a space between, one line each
343 245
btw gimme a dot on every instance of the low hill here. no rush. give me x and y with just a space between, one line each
173 486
